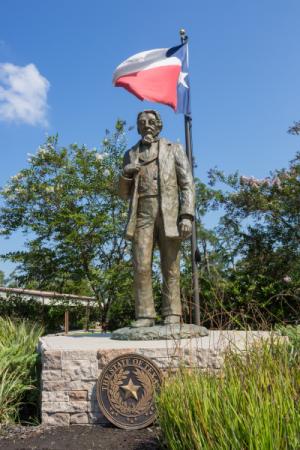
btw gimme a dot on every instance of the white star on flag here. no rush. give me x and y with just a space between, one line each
181 79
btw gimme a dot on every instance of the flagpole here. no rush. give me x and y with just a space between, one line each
189 152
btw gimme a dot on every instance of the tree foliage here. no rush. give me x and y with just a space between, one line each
254 273
67 206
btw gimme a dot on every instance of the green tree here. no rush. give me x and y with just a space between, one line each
2 282
259 239
295 129
67 206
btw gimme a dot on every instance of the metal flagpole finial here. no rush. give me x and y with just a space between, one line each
183 35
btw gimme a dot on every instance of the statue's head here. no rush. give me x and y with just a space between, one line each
149 125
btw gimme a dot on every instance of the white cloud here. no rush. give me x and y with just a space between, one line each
23 94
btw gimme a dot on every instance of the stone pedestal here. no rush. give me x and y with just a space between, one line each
159 332
72 364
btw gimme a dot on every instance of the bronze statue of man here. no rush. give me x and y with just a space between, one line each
158 181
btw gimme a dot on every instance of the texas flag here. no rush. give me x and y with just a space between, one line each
159 75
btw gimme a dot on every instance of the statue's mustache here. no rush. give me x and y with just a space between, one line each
149 131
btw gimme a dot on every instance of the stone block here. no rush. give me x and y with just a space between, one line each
105 356
79 418
67 385
95 370
79 355
78 395
75 374
80 406
215 362
164 362
55 407
71 364
80 369
51 360
51 375
202 359
54 386
56 396
57 419
159 353
163 358
81 385
67 407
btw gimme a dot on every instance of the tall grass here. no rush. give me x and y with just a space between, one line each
18 357
253 404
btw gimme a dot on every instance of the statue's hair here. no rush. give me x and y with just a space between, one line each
152 111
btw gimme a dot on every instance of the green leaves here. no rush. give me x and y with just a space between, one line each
252 404
18 357
66 201
252 252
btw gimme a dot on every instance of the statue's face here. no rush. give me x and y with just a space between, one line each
148 126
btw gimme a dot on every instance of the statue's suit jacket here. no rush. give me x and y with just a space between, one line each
176 187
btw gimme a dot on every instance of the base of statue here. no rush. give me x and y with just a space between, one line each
72 364
159 332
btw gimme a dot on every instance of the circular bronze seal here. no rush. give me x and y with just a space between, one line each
125 391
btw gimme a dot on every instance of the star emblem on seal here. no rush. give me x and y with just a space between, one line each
131 390
125 391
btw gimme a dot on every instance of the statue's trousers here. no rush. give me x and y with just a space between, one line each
150 230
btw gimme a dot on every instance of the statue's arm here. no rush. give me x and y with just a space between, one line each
186 184
125 182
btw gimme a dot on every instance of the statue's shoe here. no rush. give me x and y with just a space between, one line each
139 323
172 320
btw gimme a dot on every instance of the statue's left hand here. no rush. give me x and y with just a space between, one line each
185 228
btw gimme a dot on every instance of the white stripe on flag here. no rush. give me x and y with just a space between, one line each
144 61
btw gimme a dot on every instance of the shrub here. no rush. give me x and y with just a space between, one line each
49 316
18 365
253 404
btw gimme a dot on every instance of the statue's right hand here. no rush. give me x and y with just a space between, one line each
131 169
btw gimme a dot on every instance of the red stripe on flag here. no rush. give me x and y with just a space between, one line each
156 85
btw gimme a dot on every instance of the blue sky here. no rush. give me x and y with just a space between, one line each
244 71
